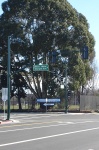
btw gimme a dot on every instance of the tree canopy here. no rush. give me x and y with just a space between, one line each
37 28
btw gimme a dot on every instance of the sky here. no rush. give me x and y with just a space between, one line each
90 9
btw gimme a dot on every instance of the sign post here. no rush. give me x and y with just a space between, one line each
46 104
4 97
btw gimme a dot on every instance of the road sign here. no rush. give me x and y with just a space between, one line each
43 67
41 100
48 104
55 100
4 94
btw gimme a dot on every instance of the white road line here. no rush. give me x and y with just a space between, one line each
48 126
36 116
42 115
5 131
47 137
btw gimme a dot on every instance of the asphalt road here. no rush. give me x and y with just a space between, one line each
51 132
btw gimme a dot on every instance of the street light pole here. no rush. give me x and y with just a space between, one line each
8 79
66 100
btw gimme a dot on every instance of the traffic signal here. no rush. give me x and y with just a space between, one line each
4 80
54 73
69 93
61 78
85 52
53 56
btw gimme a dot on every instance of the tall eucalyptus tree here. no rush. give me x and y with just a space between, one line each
37 28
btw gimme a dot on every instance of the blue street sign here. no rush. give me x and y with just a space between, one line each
85 52
55 100
41 100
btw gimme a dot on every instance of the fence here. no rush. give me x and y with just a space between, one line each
30 104
27 103
89 103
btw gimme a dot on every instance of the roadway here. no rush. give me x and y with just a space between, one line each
51 132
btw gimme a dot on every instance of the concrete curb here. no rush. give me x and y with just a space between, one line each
8 121
5 121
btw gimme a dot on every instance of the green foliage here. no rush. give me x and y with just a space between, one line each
37 27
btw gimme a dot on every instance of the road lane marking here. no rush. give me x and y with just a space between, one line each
29 124
26 116
37 116
59 122
5 131
47 137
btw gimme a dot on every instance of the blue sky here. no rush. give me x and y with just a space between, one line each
90 9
